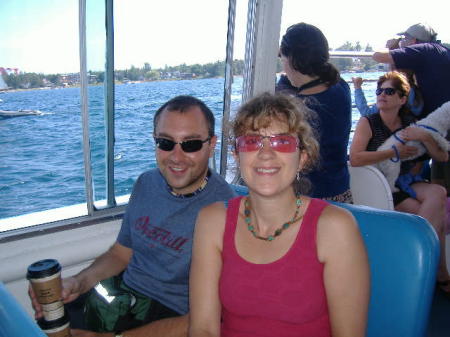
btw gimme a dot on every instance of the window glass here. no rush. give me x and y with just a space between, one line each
41 162
174 48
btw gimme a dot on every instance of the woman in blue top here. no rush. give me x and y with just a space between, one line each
414 103
310 76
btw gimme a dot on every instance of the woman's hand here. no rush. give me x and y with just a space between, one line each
413 133
406 151
423 136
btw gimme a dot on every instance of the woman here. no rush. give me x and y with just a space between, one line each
277 263
415 196
309 75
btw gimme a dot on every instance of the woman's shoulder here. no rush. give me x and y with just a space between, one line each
213 210
210 223
335 221
336 227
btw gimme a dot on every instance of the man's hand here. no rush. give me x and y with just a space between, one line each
393 44
70 291
85 333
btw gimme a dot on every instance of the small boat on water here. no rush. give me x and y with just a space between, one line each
17 113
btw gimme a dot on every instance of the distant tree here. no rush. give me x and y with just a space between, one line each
368 48
12 81
54 79
152 75
133 74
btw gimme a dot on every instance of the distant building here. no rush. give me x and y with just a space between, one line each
9 71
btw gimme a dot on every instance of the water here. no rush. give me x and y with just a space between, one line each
41 157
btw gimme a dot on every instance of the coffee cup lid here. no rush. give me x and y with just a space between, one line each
43 268
47 325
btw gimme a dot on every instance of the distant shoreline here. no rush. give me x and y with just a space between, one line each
117 83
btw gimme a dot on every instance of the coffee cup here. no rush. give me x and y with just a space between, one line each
45 279
56 328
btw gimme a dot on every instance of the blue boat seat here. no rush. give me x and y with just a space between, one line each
14 321
403 252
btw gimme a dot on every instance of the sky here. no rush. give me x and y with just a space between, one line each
42 35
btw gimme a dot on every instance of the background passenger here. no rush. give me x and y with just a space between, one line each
277 263
415 196
422 53
311 77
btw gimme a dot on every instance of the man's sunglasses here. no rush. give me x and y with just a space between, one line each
193 145
387 91
280 143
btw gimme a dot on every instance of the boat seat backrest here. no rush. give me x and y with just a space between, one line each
14 320
403 252
369 187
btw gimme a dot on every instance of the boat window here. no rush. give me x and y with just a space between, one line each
41 166
51 164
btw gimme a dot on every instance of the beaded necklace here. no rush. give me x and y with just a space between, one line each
197 191
277 232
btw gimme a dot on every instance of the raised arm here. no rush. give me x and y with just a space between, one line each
206 266
383 57
360 99
346 272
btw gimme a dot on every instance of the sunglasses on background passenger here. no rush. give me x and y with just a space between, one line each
387 91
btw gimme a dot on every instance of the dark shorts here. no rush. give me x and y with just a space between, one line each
128 309
399 196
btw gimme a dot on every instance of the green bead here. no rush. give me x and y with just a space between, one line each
270 238
251 228
247 220
285 226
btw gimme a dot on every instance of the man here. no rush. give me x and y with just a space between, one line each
420 52
153 248
430 61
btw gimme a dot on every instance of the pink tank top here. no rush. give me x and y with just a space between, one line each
284 298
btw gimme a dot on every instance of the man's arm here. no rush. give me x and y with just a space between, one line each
110 263
106 265
383 57
168 327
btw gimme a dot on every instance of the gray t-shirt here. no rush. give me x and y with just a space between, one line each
159 227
